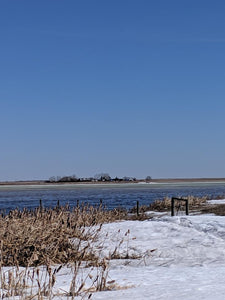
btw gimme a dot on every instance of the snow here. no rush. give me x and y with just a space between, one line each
167 258
220 201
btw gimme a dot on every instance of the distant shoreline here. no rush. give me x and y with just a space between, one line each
164 180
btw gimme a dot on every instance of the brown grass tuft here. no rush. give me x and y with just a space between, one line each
46 236
165 204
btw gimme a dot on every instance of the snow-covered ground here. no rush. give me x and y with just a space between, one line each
177 258
221 201
161 258
188 261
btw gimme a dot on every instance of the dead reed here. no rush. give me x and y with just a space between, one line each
195 203
217 209
32 242
32 238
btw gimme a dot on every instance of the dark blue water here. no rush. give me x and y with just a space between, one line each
113 196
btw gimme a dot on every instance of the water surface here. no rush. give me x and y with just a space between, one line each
112 195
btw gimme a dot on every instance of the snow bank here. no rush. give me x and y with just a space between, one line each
188 261
217 201
165 258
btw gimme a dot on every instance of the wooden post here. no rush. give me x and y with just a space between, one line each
58 204
172 207
187 210
138 208
40 204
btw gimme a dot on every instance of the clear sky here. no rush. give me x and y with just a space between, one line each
127 87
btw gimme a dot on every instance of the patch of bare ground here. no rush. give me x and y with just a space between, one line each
217 209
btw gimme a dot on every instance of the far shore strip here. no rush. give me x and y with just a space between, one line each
160 180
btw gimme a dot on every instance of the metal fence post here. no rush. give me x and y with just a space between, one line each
173 205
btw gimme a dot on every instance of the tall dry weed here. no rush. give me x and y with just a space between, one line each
165 204
32 238
48 237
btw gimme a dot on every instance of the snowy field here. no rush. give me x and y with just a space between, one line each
188 263
161 258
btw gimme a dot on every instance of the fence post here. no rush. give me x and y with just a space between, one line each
187 209
78 205
172 207
57 204
138 208
40 205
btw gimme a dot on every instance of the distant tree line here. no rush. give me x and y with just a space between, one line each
101 177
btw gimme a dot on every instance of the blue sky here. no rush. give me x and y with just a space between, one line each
131 88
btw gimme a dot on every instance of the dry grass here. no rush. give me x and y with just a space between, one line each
43 236
218 209
195 203
48 237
